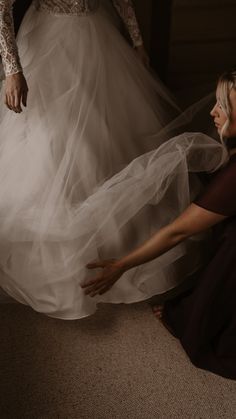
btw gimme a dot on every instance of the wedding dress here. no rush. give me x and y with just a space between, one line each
92 109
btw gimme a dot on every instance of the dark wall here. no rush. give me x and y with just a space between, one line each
19 9
202 43
155 17
190 42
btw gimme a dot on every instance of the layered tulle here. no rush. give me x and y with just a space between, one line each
92 109
46 255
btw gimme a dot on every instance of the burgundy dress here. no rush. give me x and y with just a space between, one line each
204 319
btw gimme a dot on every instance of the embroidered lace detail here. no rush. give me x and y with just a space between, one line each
126 10
83 7
68 7
8 48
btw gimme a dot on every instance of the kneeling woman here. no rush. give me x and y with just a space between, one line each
204 319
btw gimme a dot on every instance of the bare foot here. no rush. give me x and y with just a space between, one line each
158 311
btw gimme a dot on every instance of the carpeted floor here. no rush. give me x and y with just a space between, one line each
118 364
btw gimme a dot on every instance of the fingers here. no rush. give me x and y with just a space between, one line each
24 98
13 102
92 285
16 92
96 285
7 104
94 265
104 280
101 284
93 289
99 263
17 103
99 292
92 282
98 289
105 289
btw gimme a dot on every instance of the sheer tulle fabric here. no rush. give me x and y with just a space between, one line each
92 109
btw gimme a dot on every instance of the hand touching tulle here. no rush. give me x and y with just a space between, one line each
104 280
193 220
16 91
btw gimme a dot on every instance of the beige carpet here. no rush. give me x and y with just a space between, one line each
120 363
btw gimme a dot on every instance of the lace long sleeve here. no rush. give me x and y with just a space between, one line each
8 47
126 11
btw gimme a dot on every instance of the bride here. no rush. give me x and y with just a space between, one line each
91 106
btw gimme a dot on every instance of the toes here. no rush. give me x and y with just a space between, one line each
158 311
158 315
157 308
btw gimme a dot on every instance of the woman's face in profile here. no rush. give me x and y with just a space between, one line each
220 117
232 125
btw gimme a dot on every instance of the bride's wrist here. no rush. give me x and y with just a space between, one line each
15 75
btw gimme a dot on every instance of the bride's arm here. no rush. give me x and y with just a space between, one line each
8 47
126 11
15 87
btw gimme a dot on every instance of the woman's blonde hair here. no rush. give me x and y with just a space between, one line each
226 82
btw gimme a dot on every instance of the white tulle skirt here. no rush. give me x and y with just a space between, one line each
92 109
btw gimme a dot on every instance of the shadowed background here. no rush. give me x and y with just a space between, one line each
121 363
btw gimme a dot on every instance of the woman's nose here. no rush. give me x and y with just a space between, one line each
213 111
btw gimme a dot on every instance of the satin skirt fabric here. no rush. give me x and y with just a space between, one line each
92 109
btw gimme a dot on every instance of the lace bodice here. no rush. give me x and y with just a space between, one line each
8 48
68 7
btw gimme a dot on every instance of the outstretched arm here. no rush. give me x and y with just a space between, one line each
16 87
193 220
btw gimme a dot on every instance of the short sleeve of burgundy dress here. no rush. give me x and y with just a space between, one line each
204 319
220 195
